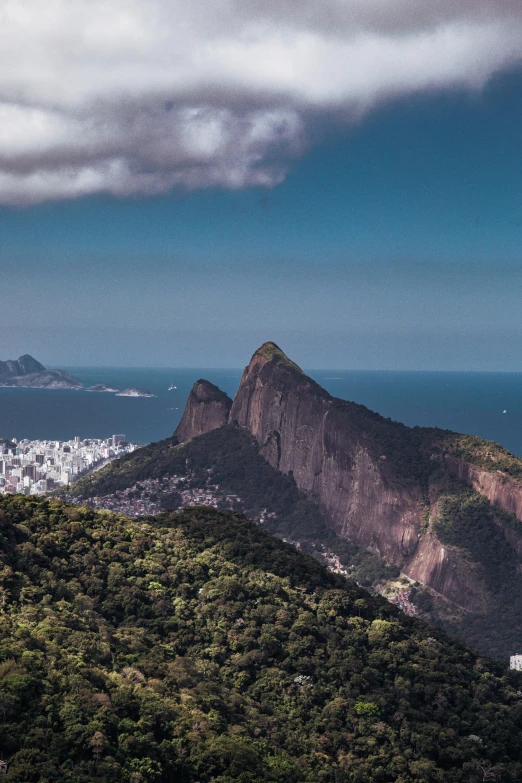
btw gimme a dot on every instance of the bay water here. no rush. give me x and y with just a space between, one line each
484 404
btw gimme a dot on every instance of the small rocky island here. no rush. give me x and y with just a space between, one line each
26 372
135 391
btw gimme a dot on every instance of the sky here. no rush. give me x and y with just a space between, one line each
181 182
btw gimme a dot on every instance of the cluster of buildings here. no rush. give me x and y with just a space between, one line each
155 495
402 600
333 563
32 467
152 496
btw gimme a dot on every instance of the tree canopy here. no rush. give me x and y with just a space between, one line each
193 646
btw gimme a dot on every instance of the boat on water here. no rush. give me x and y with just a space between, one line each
171 387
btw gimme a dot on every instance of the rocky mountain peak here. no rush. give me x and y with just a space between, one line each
207 409
29 365
271 353
25 365
204 391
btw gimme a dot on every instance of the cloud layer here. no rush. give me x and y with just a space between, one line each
127 97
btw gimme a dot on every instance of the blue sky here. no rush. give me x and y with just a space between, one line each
391 240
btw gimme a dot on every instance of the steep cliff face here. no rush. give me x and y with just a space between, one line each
499 488
302 429
351 461
345 458
207 409
372 478
449 572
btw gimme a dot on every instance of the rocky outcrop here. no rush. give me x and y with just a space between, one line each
207 409
134 391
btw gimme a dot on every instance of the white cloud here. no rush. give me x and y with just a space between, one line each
126 97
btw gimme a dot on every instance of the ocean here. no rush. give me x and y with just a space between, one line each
485 404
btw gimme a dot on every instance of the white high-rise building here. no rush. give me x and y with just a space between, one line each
515 662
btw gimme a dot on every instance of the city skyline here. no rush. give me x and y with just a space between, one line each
34 467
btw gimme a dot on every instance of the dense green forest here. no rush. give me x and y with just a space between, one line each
193 646
483 453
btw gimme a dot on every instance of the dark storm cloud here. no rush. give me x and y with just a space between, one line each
126 97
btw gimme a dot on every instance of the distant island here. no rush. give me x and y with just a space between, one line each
135 391
26 372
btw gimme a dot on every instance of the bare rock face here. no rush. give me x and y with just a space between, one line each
207 409
447 571
332 449
499 488
302 429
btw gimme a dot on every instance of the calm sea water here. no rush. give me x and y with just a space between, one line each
465 402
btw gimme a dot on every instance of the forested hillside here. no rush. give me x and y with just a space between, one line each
194 647
466 523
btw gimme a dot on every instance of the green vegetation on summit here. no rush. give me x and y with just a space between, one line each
193 646
273 354
484 454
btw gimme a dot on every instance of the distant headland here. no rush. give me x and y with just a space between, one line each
26 372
